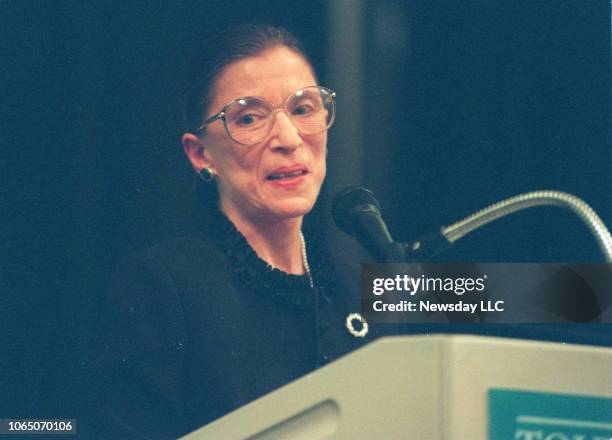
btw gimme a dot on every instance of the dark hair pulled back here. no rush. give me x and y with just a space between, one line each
224 48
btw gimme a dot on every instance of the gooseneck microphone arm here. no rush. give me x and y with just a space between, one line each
448 235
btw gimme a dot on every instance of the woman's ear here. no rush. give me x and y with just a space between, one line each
196 152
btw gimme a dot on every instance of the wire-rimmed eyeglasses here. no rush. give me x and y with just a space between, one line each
249 120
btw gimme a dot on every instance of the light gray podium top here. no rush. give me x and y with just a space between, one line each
414 387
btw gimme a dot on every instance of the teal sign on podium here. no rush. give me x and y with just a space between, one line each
525 415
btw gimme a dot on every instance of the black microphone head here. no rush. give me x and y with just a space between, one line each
348 202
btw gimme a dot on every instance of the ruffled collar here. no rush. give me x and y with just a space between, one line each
264 280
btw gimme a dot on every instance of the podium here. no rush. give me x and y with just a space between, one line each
437 388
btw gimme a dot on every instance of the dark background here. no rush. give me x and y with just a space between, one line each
463 104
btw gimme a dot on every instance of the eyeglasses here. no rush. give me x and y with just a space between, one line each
248 121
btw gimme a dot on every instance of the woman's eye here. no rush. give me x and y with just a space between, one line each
247 119
302 110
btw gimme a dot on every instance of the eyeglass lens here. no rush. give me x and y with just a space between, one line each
249 120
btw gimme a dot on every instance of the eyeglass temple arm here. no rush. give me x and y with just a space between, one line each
210 120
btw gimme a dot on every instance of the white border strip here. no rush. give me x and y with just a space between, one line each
564 422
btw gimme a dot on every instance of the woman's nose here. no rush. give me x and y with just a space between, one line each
284 134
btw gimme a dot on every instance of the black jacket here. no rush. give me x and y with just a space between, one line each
199 326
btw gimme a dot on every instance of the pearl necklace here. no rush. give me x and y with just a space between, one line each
305 261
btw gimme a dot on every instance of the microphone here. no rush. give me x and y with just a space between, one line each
356 212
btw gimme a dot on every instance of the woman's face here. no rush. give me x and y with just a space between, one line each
250 178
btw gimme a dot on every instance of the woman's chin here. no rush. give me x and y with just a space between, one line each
292 208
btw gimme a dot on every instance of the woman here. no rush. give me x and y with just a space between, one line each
204 324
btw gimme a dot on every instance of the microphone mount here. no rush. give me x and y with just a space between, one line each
437 242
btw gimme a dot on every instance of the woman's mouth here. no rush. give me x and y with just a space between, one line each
287 172
288 176
291 175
